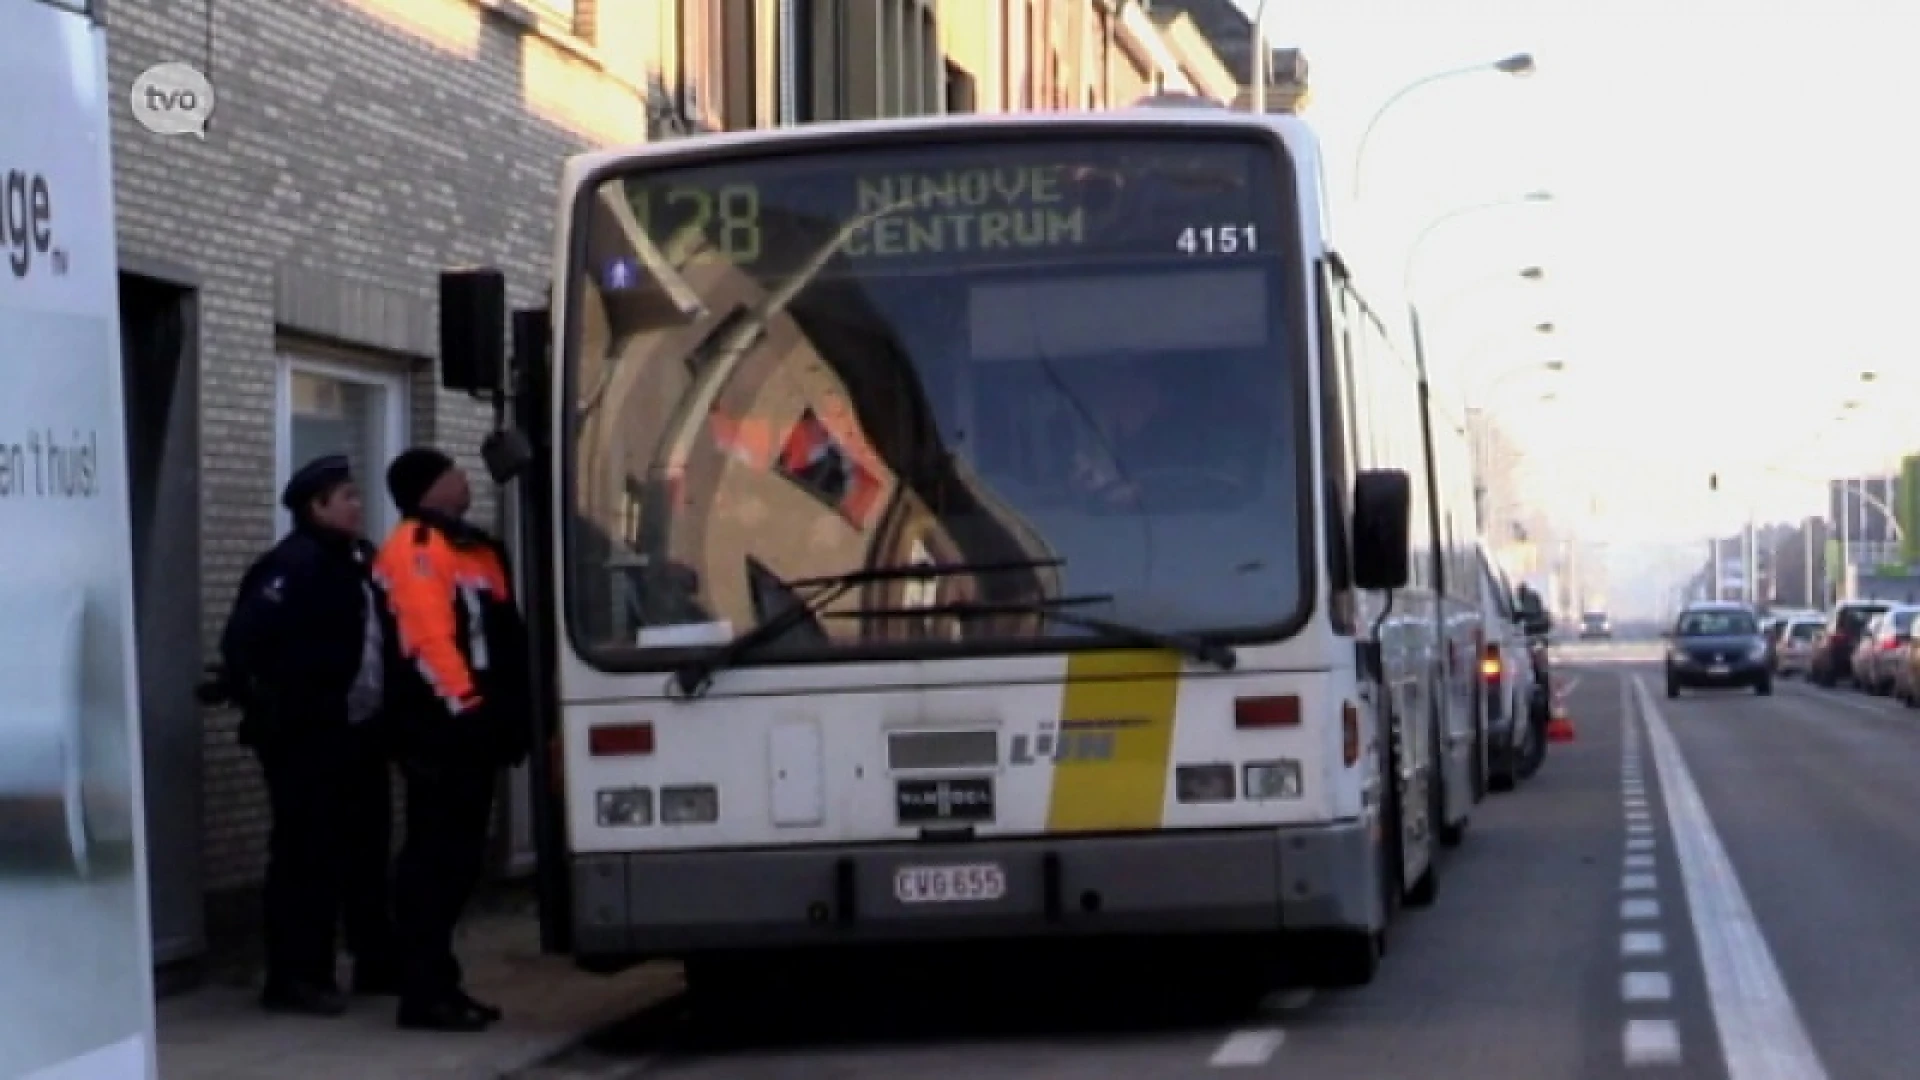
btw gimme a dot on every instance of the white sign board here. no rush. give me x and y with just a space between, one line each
76 982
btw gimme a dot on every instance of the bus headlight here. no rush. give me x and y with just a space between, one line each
696 805
1203 783
622 807
1273 779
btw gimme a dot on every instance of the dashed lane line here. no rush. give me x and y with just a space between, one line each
1255 1046
1243 1049
1761 1033
1644 1039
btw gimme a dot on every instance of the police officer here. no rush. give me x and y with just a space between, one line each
460 706
304 657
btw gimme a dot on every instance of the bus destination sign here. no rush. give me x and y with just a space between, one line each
920 208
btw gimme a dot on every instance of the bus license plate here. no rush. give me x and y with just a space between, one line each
969 883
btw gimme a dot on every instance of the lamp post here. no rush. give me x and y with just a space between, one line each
1518 64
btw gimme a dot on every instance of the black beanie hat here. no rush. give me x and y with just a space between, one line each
412 473
314 480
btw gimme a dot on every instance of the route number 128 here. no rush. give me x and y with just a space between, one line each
1218 239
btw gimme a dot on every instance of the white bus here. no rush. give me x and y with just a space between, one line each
76 993
971 528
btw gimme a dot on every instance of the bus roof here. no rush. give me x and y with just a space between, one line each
1301 142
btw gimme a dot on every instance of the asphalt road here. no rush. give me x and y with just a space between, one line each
1721 886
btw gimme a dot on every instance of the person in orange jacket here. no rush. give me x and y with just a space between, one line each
459 709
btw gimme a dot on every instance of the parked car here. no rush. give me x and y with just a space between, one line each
1793 648
1833 650
1882 648
1717 645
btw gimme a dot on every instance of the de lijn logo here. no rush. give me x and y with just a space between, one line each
26 224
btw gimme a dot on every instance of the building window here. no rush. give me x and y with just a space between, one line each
325 408
960 94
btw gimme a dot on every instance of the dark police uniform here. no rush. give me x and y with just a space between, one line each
305 653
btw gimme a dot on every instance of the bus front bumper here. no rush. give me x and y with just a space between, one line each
1321 877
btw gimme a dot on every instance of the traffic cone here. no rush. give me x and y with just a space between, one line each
1560 728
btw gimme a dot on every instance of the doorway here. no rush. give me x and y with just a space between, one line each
160 373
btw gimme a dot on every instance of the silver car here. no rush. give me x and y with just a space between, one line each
1793 653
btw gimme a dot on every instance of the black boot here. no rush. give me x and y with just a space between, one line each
492 1013
448 1014
303 998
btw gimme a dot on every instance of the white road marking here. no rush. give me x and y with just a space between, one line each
1639 828
1639 861
1640 907
1642 986
1761 1034
1639 843
1242 1049
1652 1041
1642 943
1638 883
1287 1000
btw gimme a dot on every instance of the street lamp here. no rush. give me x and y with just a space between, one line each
1420 238
1519 64
1531 275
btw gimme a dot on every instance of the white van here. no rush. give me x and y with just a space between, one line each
1513 698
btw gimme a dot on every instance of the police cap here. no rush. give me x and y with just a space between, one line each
315 479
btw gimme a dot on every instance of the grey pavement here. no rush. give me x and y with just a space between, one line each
219 1033
1561 891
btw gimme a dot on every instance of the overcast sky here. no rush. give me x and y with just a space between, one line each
1728 245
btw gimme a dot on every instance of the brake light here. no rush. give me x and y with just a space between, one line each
1490 663
1349 733
1266 712
619 740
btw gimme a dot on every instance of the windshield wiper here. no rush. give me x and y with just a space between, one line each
695 676
1198 647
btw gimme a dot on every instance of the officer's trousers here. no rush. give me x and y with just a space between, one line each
331 795
449 811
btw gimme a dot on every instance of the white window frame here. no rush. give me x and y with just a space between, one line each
397 395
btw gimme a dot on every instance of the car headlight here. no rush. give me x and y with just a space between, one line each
1758 651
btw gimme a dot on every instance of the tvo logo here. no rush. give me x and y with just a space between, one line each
26 223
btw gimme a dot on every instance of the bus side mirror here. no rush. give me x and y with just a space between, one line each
473 330
1382 526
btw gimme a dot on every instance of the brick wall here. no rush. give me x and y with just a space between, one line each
358 146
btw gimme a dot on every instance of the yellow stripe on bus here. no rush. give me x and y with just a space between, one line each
1122 700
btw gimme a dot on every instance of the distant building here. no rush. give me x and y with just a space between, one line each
1230 31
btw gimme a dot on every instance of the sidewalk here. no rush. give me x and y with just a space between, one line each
217 1032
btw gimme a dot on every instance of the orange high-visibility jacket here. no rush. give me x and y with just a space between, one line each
448 587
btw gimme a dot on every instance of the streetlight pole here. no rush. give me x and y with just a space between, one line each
1519 64
1257 63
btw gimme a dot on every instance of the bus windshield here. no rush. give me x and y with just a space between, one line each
983 352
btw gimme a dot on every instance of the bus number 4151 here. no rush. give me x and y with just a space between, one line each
1218 239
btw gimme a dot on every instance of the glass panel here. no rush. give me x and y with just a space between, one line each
338 416
1071 351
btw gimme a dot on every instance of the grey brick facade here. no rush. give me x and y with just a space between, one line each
357 148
